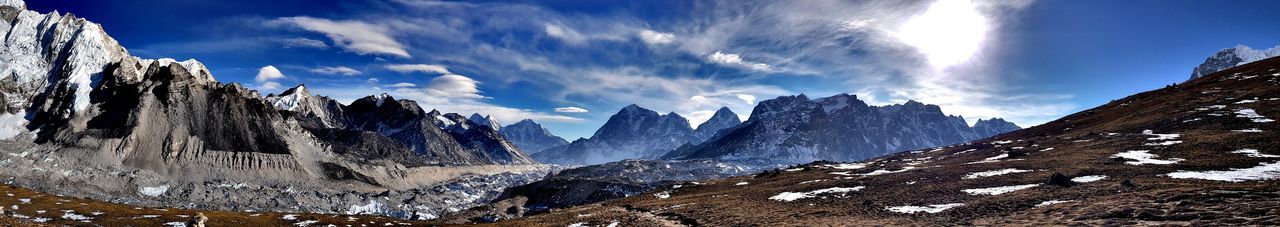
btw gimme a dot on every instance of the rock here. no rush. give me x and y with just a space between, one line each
198 220
1060 180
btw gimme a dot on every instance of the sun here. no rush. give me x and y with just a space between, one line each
948 33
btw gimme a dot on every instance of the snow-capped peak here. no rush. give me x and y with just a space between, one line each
1232 57
485 121
290 99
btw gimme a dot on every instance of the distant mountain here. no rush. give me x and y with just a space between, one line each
485 121
634 132
1232 57
722 119
531 137
795 129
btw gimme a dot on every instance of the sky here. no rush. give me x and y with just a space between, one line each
570 64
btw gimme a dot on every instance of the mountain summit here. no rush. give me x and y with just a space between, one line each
722 119
531 137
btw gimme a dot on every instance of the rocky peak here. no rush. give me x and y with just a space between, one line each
1232 57
531 137
485 121
994 126
722 119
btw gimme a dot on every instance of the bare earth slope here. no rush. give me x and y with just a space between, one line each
1201 153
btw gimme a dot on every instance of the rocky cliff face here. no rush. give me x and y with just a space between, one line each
531 137
795 129
1232 57
634 132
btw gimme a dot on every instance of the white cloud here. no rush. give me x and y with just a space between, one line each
652 37
268 73
565 34
750 99
570 110
402 85
336 70
270 85
303 42
424 68
854 25
736 60
452 85
352 35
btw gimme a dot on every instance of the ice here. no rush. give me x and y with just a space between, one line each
1087 179
12 124
154 191
927 209
998 190
1266 171
1254 153
1252 115
793 196
373 207
24 201
994 173
1143 157
812 181
1051 202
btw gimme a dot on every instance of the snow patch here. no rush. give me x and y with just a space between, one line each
847 166
927 209
1051 202
998 190
662 195
1164 143
994 173
1087 179
742 183
1252 115
1248 130
882 172
793 196
1266 171
1254 153
176 224
1143 157
1160 136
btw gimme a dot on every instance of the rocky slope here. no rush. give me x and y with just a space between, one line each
1232 57
531 137
1199 153
82 117
795 129
634 132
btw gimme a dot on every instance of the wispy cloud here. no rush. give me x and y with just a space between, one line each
352 35
571 109
421 68
336 70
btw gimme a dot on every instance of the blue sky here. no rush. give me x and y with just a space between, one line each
571 64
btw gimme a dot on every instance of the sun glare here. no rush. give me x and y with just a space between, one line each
950 32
